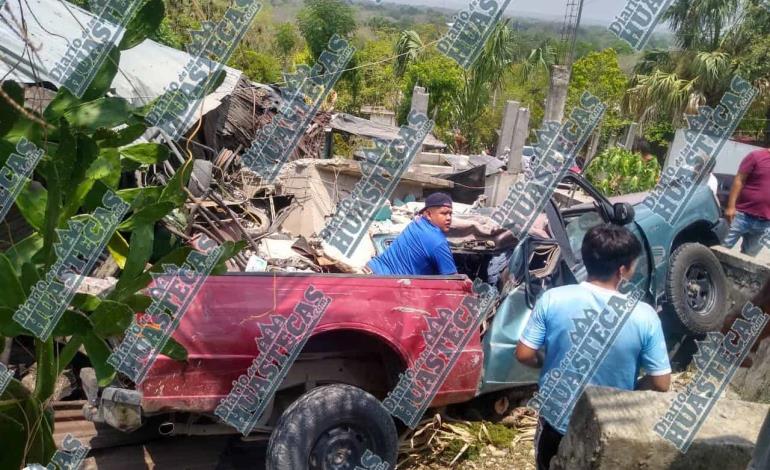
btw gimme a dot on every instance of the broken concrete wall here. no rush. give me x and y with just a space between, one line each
754 383
612 430
747 275
318 185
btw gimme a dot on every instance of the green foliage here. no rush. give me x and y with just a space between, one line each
261 68
469 438
322 19
618 171
599 73
286 41
83 157
486 77
146 21
377 86
407 50
442 78
717 39
660 134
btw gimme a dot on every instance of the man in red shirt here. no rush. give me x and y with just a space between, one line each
748 208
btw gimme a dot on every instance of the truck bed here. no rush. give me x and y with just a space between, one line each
220 326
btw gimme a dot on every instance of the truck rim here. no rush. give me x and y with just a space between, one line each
699 289
339 448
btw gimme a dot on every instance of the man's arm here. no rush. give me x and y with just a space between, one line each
529 357
735 191
658 383
654 358
445 263
529 348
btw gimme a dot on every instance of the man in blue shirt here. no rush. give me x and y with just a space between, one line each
609 254
422 248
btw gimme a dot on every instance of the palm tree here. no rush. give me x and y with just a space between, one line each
539 59
407 50
711 36
484 80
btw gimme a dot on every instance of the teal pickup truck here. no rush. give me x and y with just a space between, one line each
679 272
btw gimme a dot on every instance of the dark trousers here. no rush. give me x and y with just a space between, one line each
547 441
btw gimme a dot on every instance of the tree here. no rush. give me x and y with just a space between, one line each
600 74
261 68
701 24
539 60
407 50
377 87
482 84
715 37
319 20
84 158
286 41
442 78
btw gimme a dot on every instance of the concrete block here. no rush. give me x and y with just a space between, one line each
430 158
519 139
557 93
498 186
612 430
746 274
420 100
510 115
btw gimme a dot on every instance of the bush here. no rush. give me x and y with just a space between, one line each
260 68
618 171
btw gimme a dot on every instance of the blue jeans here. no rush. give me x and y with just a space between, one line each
755 233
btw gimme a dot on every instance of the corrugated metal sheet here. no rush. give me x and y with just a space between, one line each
350 124
145 70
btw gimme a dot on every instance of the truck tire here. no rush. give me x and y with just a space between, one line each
330 428
696 288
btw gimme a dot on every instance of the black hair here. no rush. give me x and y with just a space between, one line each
643 145
606 248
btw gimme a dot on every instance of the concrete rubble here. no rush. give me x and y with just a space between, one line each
613 430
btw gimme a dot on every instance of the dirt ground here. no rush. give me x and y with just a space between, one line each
519 456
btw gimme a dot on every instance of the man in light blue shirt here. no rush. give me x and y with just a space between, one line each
609 254
422 248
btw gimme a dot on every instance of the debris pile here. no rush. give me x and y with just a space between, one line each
251 106
441 441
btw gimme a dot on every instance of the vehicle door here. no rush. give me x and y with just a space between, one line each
578 216
537 264
568 222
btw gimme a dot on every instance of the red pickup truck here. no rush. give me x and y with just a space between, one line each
370 333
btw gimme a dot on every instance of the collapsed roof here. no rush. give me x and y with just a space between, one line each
143 73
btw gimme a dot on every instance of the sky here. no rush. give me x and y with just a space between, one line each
594 11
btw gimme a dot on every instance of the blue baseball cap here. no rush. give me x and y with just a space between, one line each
437 200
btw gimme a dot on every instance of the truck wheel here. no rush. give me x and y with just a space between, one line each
696 288
330 428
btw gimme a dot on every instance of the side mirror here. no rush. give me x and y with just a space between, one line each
623 213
